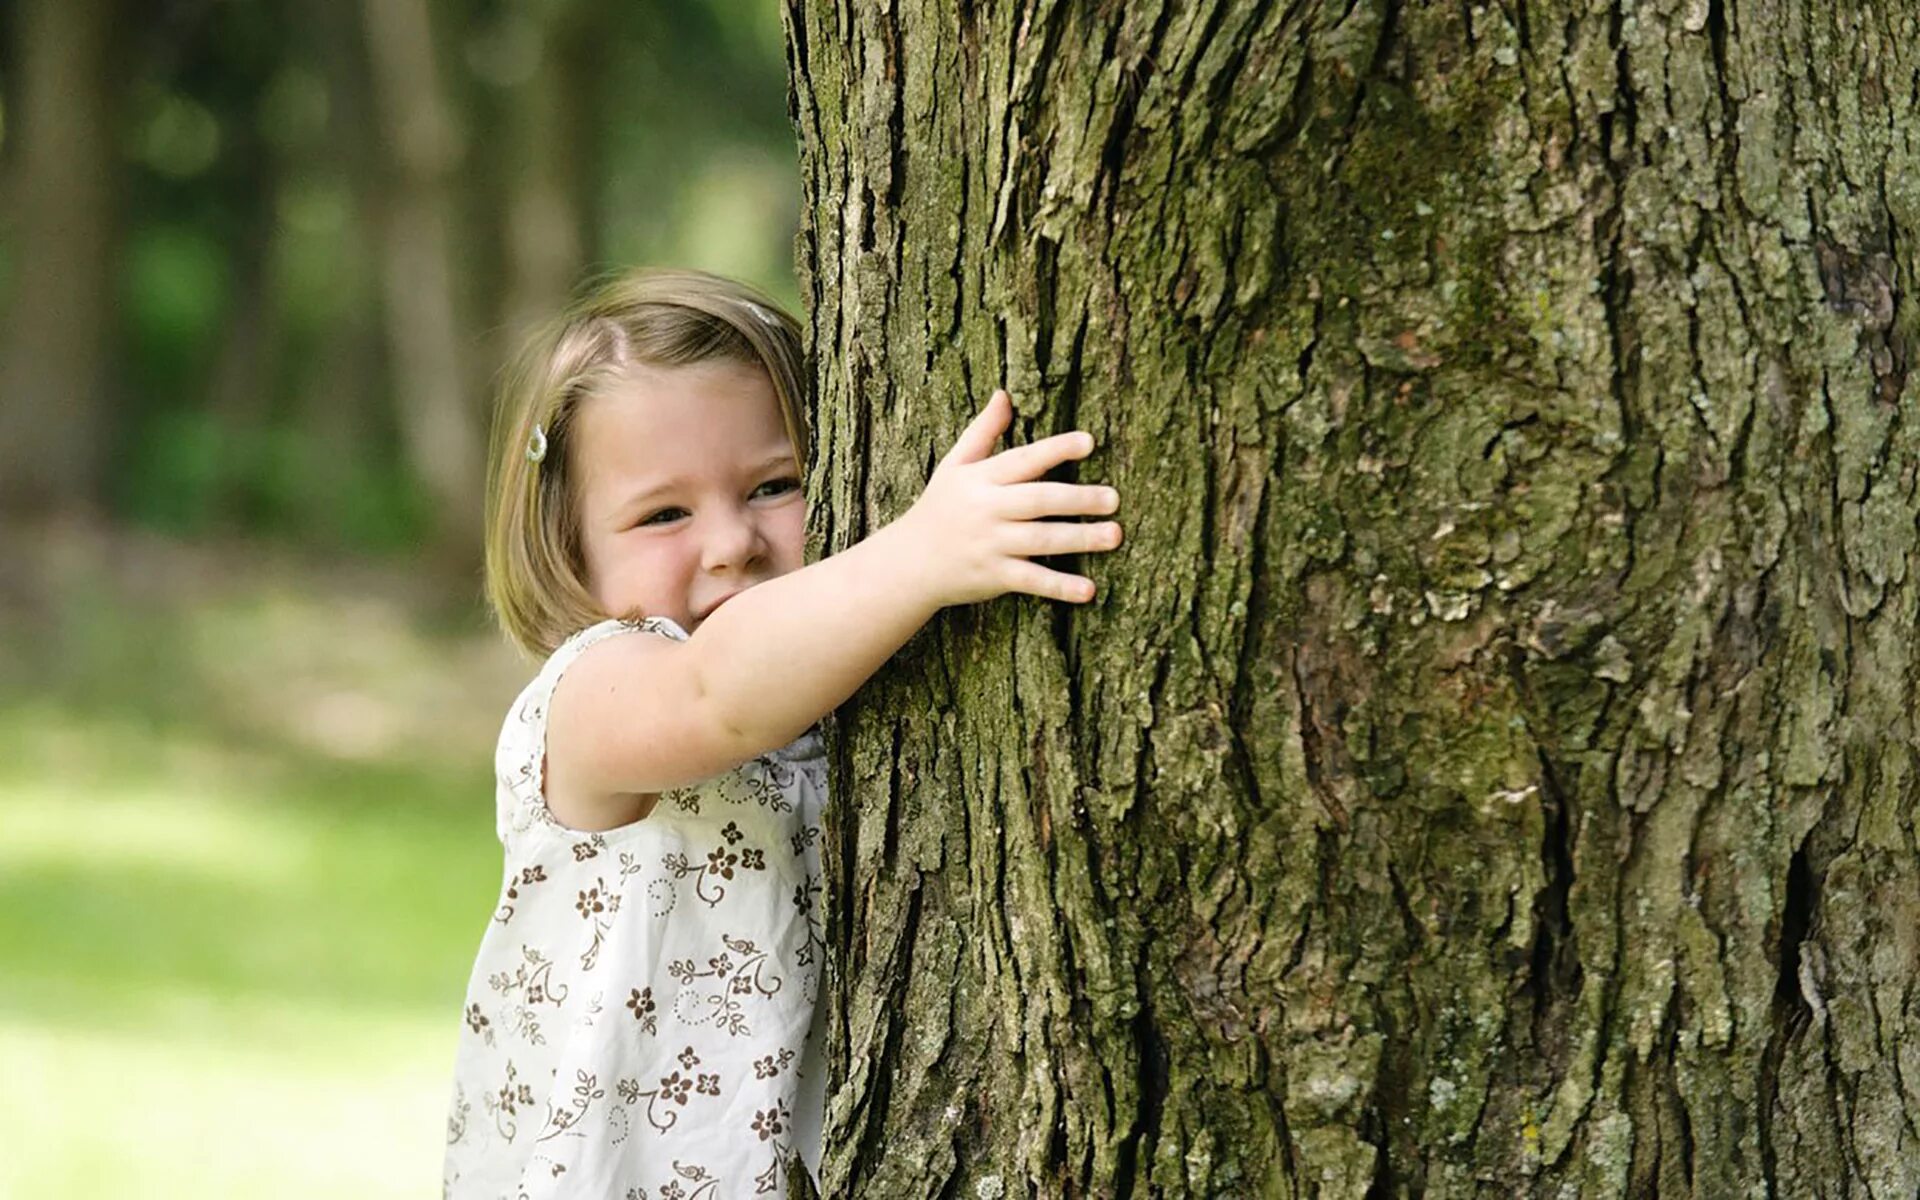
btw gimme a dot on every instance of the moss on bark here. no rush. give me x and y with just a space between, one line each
1487 769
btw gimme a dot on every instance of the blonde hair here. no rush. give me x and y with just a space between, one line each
536 575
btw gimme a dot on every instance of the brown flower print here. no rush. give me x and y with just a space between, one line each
749 977
704 1182
505 1104
767 792
602 899
561 1118
528 876
744 966
591 901
531 984
770 1066
641 1002
457 1119
675 1087
770 1122
720 865
513 1096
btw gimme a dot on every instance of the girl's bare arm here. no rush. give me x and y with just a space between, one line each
639 714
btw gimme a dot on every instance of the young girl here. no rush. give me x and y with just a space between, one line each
639 1024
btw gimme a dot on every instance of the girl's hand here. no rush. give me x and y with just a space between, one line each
979 520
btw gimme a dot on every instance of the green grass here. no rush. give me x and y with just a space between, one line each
231 963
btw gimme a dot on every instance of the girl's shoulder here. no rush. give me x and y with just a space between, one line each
520 756
584 639
529 710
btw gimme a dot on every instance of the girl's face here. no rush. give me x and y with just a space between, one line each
688 490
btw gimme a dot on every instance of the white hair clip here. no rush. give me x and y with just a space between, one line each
537 445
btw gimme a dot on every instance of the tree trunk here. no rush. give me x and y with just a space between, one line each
341 402
1488 768
548 126
59 316
433 356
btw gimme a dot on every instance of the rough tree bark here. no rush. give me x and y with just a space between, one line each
1488 770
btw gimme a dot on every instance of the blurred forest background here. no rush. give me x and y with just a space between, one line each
259 263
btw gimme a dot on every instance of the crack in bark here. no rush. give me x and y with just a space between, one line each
1792 1013
1133 83
1132 1178
874 1099
1553 960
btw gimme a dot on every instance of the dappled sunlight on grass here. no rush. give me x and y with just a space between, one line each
250 1100
234 937
219 979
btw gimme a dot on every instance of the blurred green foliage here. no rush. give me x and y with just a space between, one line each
253 383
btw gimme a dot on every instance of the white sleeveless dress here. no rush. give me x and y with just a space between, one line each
641 1020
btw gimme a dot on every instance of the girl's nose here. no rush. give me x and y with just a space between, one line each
734 542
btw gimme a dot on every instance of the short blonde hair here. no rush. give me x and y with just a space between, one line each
536 574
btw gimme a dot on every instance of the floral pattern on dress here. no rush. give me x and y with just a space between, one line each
529 877
721 864
735 982
640 1005
530 987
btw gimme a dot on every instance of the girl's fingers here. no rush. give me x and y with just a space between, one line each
1025 501
1030 538
1037 458
977 439
1036 580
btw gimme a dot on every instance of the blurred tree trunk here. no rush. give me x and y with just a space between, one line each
242 394
435 372
59 324
1489 768
340 412
550 127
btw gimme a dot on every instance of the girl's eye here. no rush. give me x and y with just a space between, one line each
773 487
